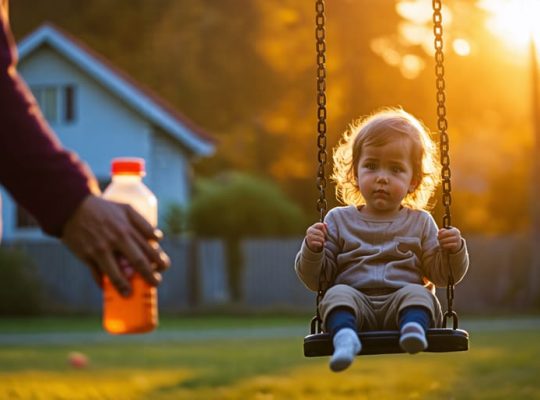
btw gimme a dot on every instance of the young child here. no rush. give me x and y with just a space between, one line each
383 248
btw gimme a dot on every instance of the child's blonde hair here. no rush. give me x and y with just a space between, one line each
376 130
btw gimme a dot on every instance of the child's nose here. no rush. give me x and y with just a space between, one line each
382 178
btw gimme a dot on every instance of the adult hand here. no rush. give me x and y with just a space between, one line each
100 230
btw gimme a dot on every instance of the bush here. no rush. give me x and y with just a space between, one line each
21 289
175 218
239 205
236 206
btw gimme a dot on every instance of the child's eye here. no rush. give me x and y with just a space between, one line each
370 165
397 169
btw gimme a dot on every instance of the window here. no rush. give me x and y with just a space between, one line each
69 103
57 103
47 98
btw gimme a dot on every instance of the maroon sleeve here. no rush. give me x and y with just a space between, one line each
40 174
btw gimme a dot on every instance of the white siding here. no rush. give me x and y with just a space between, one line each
170 174
104 128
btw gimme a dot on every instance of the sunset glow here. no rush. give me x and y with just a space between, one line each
461 47
513 20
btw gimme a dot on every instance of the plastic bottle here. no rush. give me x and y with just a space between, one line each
138 312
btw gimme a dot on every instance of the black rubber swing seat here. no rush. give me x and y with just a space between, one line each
440 340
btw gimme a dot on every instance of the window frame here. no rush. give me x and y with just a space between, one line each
57 102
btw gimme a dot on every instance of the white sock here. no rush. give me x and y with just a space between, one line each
346 346
413 338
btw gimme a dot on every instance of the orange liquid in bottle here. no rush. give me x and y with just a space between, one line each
134 314
138 312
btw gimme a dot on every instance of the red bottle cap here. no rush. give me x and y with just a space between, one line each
128 166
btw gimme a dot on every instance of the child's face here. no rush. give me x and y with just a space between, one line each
385 176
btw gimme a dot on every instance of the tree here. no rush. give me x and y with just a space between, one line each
175 219
235 206
245 71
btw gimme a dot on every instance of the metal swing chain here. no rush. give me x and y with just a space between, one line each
320 35
442 125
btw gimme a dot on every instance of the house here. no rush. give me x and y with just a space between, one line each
100 113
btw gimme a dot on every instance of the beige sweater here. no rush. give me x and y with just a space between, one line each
369 253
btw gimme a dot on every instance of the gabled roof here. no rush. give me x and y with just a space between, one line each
141 99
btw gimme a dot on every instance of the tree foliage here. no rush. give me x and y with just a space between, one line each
237 205
245 71
175 217
21 293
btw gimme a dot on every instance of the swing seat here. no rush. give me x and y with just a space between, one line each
440 340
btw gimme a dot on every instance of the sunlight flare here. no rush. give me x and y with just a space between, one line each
420 12
513 20
461 47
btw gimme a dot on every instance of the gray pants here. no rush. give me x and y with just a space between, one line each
380 311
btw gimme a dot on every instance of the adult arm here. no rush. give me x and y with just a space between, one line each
47 180
60 191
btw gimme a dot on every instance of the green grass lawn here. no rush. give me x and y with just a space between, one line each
166 323
501 364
